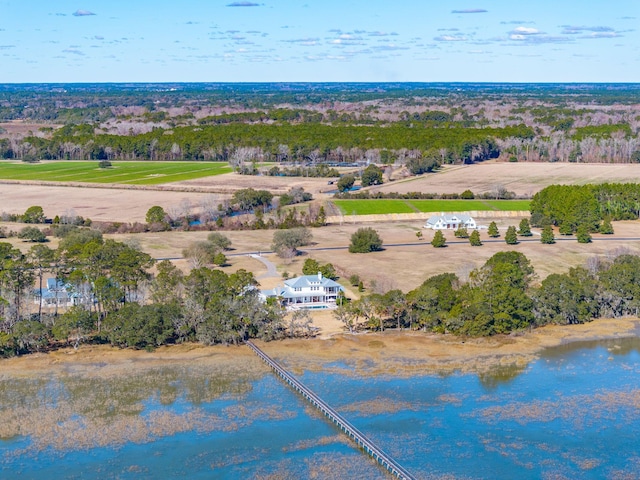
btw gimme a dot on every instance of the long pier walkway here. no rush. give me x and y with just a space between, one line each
361 440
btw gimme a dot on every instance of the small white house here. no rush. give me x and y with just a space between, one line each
308 291
451 222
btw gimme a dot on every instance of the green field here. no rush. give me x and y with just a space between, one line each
383 206
132 173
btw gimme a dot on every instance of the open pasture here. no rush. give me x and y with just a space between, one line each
131 173
384 206
525 179
411 261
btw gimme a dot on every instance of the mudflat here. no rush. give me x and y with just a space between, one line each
390 352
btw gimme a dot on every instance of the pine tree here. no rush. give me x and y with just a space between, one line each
547 235
474 239
525 228
321 219
511 237
565 229
493 230
438 240
583 235
461 232
606 226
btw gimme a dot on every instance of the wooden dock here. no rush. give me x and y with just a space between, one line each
358 437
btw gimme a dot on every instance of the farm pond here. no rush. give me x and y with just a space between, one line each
572 413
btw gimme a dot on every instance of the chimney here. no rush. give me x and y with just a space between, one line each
320 276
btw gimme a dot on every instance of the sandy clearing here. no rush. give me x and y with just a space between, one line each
521 178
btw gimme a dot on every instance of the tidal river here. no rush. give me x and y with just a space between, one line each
572 413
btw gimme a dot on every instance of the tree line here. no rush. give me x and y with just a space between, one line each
118 300
590 207
236 143
500 297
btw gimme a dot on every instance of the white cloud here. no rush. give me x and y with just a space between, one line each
243 4
381 34
82 13
308 42
537 39
525 31
470 10
602 35
574 29
390 47
450 38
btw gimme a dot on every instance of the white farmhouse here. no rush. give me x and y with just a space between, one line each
450 222
308 291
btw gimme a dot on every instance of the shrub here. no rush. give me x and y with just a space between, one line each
525 228
547 235
467 195
438 240
33 214
583 235
32 234
511 237
346 182
493 230
461 232
606 227
365 240
156 214
474 239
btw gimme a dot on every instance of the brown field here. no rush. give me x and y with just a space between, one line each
131 205
522 178
101 204
230 182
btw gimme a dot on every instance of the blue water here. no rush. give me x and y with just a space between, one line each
574 413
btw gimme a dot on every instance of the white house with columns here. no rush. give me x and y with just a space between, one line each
308 291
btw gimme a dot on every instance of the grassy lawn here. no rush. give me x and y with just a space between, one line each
372 207
137 173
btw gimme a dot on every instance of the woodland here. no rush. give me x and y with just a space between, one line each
323 123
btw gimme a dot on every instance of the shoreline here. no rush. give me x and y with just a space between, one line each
101 394
370 353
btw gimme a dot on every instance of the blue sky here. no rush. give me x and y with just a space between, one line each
313 40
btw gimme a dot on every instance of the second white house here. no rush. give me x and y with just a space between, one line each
450 222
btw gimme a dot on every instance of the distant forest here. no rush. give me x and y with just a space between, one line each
331 123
